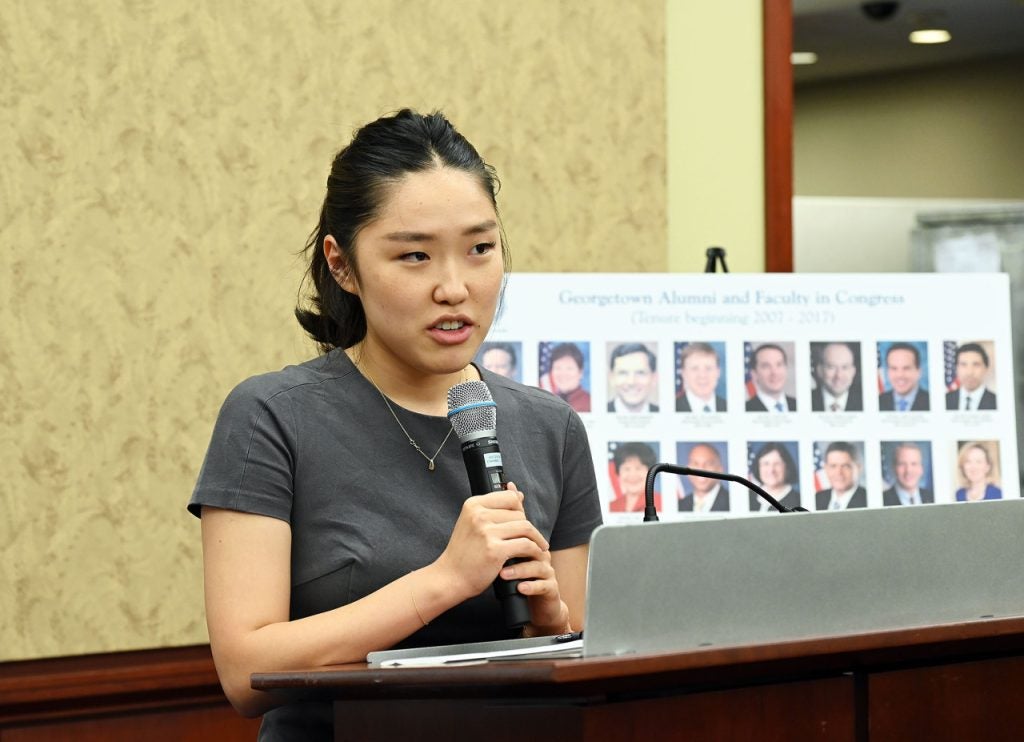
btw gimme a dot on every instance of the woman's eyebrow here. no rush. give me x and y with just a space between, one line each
414 236
482 227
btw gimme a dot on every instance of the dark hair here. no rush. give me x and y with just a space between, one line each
506 347
567 350
843 447
904 346
973 348
632 450
787 461
628 349
361 178
767 346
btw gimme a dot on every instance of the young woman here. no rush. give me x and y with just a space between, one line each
336 510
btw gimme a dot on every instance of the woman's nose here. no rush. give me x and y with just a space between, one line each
451 286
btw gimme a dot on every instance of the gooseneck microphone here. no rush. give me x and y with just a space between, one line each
651 513
474 416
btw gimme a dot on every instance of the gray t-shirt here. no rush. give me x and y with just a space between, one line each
315 446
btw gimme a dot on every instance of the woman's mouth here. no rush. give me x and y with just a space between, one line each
451 331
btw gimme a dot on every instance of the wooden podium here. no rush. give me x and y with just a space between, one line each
952 682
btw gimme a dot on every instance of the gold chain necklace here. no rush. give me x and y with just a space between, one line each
412 441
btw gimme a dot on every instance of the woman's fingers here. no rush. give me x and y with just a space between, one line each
539 583
534 569
491 529
501 500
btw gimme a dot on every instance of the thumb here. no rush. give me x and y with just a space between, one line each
511 487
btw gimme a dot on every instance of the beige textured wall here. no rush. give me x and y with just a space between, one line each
715 117
163 162
944 132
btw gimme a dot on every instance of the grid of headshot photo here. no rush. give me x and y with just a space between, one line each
831 392
824 424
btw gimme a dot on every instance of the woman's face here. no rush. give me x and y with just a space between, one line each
632 476
976 467
566 374
771 470
430 271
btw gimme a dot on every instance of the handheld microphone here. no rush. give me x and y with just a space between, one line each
474 415
650 514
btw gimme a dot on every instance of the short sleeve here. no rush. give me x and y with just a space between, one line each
249 465
580 510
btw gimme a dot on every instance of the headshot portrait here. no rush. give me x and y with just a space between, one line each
563 370
969 373
838 475
903 369
700 377
836 377
632 378
770 383
978 471
501 358
907 473
628 464
775 467
703 494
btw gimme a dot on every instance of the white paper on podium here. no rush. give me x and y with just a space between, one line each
537 647
563 650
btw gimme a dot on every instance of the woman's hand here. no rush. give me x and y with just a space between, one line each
491 529
548 612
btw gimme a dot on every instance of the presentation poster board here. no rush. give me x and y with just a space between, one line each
831 391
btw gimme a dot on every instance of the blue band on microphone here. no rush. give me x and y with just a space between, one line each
471 406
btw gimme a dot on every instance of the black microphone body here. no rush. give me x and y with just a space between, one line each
482 456
483 464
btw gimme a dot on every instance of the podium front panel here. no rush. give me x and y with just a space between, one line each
665 587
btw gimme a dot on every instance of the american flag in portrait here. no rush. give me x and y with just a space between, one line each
949 365
678 367
748 378
544 366
878 365
820 477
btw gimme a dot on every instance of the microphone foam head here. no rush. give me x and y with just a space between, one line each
471 408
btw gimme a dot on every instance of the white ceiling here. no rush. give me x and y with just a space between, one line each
849 43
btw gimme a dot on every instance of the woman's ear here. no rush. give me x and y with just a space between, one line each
339 266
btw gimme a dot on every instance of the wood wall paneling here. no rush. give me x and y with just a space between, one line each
156 695
778 136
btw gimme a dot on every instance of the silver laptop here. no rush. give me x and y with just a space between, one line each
666 587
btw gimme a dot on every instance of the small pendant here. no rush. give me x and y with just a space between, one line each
430 465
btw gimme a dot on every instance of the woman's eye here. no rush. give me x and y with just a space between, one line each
414 257
483 248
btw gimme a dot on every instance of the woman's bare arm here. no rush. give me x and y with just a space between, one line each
247 567
571 569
